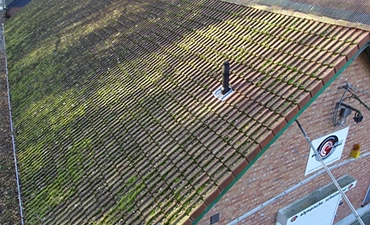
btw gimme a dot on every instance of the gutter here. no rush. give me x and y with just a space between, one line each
12 132
280 133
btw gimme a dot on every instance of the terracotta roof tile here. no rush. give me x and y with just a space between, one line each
153 139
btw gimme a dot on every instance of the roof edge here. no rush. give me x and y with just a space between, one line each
303 15
326 85
18 3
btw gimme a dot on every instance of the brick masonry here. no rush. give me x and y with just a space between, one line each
283 164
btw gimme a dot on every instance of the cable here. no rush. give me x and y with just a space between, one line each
336 122
358 90
341 108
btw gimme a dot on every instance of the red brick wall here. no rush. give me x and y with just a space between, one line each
283 164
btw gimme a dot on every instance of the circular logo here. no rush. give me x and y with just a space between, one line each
327 147
350 186
293 218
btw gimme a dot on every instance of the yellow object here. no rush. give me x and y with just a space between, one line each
355 152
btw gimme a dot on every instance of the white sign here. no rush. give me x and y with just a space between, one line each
329 147
319 208
322 213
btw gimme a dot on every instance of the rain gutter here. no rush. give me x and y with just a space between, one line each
280 133
12 132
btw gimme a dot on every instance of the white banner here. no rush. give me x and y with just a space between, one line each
318 208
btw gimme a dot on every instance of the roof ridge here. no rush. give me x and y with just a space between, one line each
304 15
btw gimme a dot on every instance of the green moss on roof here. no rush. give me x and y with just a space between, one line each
113 105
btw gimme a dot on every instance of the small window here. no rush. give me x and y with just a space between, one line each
215 218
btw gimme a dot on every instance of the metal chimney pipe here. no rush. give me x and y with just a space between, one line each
225 78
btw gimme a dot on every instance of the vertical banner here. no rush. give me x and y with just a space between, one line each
329 147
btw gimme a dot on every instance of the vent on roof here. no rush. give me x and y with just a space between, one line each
223 92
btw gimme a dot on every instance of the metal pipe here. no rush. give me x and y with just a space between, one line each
344 196
225 78
12 133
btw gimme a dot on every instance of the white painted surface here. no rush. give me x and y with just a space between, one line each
335 154
318 208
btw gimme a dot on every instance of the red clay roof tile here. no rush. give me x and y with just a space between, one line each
162 144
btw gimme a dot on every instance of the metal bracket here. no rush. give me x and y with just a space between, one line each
218 94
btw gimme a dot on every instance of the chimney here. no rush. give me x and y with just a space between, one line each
224 91
225 78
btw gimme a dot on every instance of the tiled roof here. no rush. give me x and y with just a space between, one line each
357 11
9 209
113 104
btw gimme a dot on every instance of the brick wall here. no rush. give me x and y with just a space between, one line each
283 164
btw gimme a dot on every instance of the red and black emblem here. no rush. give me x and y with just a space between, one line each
293 218
327 147
350 186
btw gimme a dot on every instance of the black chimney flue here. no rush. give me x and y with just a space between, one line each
225 78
